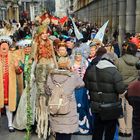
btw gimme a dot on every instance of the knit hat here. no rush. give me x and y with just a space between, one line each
136 41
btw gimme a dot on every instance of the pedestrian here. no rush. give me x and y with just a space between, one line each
92 55
126 66
64 125
62 55
99 53
133 97
109 47
104 83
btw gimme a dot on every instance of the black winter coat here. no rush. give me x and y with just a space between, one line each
104 85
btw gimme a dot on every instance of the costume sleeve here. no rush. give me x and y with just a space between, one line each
20 68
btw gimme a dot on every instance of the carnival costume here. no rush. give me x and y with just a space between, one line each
43 55
81 94
9 67
20 120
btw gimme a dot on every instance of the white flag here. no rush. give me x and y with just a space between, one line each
101 32
76 31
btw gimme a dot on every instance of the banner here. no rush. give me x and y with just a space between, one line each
76 31
63 20
101 32
54 20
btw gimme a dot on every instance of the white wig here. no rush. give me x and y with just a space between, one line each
6 39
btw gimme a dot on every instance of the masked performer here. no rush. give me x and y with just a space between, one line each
9 67
20 120
45 62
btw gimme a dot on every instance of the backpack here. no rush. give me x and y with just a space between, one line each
59 103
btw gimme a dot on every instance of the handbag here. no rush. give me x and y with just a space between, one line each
109 111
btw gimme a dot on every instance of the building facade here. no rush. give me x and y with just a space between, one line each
61 7
9 10
2 10
123 15
31 8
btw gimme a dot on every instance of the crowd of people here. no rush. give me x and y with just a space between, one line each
96 83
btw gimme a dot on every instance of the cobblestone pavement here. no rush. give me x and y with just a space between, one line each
19 135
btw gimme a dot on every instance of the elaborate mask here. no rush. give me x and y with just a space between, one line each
4 48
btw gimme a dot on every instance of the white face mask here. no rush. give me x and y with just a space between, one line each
4 48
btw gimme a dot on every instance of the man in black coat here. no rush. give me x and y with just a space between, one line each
104 83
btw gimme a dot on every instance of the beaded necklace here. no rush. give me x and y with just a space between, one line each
4 61
5 64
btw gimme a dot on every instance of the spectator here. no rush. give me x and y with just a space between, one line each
126 66
65 125
99 53
115 34
104 83
62 56
134 101
124 48
93 49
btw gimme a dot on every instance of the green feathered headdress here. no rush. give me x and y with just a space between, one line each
42 28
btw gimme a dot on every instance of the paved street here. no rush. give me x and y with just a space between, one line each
19 135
